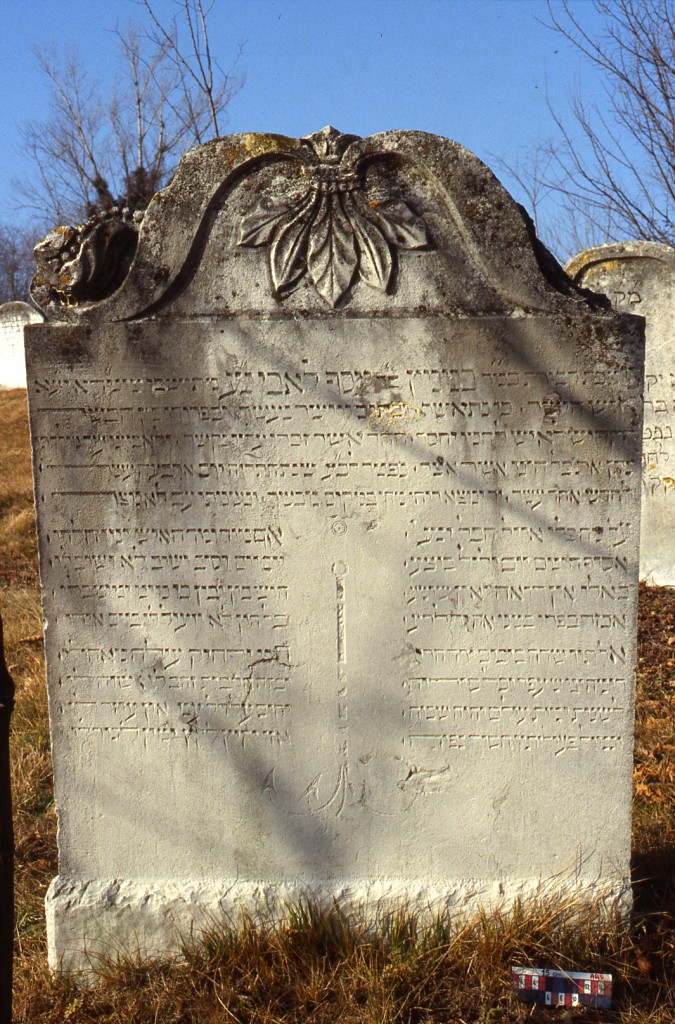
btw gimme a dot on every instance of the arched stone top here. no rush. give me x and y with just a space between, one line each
256 224
15 309
580 264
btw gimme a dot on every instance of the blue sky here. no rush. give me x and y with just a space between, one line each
477 71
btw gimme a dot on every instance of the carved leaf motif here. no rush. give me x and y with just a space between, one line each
402 226
331 254
260 226
331 233
375 260
287 255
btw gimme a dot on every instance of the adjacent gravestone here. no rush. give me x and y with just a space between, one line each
639 277
13 318
336 496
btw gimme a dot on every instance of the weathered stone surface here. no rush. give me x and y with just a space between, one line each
336 499
639 277
13 318
86 262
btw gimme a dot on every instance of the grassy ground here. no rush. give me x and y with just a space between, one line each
317 968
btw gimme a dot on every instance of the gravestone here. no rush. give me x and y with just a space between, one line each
639 277
336 492
13 318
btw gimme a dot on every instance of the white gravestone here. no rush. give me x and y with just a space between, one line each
13 318
639 277
336 496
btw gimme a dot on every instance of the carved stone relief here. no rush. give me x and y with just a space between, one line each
335 219
88 262
332 231
336 499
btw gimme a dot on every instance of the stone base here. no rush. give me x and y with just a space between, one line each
87 920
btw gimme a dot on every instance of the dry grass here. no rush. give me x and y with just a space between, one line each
319 967
34 818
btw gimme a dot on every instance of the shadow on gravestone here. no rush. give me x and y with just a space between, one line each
337 495
639 277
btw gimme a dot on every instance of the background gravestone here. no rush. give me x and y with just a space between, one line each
336 497
13 318
639 277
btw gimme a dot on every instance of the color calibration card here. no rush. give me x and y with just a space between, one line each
562 988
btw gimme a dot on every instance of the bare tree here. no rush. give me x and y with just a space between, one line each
529 178
115 145
616 164
17 263
530 175
197 69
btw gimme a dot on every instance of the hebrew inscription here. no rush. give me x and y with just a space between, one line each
638 277
337 498
477 518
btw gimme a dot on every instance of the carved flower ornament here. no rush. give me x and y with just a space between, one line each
88 262
332 233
